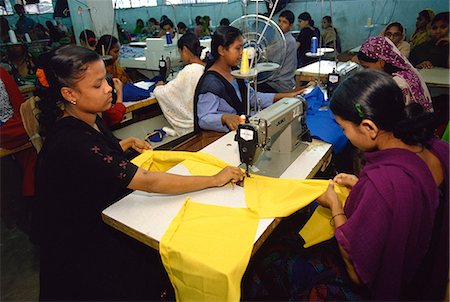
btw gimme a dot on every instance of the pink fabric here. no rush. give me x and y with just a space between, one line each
382 48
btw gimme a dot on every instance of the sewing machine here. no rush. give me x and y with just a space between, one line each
271 140
157 48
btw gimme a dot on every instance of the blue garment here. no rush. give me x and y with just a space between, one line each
133 93
211 107
322 123
24 25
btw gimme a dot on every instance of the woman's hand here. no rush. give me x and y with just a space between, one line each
425 65
329 199
160 83
228 174
118 86
347 180
231 121
136 143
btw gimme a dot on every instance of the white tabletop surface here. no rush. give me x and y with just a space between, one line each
146 216
436 76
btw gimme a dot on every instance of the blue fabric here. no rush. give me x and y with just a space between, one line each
133 93
156 136
322 123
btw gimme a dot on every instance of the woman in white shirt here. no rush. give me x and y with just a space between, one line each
176 98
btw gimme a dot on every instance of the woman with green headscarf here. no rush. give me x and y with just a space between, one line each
422 32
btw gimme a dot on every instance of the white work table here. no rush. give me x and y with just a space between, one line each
146 216
436 77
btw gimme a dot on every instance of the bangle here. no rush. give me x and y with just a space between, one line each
332 218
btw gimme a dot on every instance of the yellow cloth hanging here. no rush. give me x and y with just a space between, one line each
280 197
206 250
318 228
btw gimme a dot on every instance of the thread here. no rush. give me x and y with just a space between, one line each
244 62
242 119
12 36
369 22
169 131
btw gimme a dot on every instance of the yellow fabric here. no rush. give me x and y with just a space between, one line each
279 197
206 250
318 228
198 163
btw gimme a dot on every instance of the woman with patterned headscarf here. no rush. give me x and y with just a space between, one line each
381 54
422 33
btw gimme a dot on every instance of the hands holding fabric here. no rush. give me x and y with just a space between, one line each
136 143
229 174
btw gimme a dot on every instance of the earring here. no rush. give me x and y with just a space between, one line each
74 102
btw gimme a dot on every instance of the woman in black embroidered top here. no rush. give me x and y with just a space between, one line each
82 170
220 98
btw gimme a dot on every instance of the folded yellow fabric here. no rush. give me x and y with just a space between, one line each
279 197
161 161
206 250
318 228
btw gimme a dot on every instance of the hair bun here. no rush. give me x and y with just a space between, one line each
417 127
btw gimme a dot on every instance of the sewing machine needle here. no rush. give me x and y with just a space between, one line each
246 170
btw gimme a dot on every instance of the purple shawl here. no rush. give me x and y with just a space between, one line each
383 48
391 212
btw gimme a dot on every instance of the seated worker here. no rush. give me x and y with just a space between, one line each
423 26
88 39
205 31
307 31
220 98
24 24
114 115
435 52
12 131
139 27
176 98
81 170
330 37
183 29
20 59
153 28
224 22
167 27
391 237
396 33
381 54
284 80
198 26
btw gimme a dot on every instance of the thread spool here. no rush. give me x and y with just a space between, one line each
27 38
12 36
242 119
244 62
169 131
369 22
103 50
314 44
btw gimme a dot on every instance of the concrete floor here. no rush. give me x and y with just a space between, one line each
19 258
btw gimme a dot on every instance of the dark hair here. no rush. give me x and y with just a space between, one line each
152 20
223 36
289 15
163 17
107 41
388 68
306 17
441 17
224 22
18 6
88 35
328 18
426 15
198 20
181 25
166 22
49 24
400 27
64 67
192 43
380 100
140 20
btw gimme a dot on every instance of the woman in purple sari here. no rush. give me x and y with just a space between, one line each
392 234
381 53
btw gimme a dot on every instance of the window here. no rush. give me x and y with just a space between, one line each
175 2
33 7
133 3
